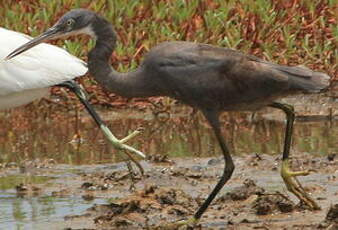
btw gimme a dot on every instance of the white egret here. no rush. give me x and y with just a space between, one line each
29 76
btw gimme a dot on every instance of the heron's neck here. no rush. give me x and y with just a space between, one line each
131 84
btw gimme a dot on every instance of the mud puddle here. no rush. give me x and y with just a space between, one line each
36 199
108 197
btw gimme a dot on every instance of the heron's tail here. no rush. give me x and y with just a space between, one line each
304 79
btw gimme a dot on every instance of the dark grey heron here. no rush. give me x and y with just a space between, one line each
210 78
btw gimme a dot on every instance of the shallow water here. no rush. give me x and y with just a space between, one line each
36 209
36 212
182 134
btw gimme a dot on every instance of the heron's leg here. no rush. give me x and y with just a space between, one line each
119 144
212 117
289 176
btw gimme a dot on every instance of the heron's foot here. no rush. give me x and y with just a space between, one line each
120 144
181 225
294 186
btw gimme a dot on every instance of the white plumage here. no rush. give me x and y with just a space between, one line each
28 76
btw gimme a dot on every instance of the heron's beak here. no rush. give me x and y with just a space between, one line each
48 35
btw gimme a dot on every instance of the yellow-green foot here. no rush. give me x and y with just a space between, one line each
181 225
120 144
293 185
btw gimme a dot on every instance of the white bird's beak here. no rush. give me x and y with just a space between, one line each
51 33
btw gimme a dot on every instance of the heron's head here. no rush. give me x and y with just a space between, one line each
74 22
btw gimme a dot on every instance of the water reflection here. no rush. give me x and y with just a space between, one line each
36 212
182 134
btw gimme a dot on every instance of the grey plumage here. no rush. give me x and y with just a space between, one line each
206 76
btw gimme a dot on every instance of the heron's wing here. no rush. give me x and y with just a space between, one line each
202 69
228 74
205 75
40 67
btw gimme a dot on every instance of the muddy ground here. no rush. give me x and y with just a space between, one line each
172 189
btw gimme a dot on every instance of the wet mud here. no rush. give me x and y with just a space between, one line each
173 189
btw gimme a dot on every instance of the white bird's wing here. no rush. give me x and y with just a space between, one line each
40 67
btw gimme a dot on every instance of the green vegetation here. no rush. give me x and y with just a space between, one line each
287 32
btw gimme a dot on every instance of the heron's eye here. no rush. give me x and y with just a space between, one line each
70 22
